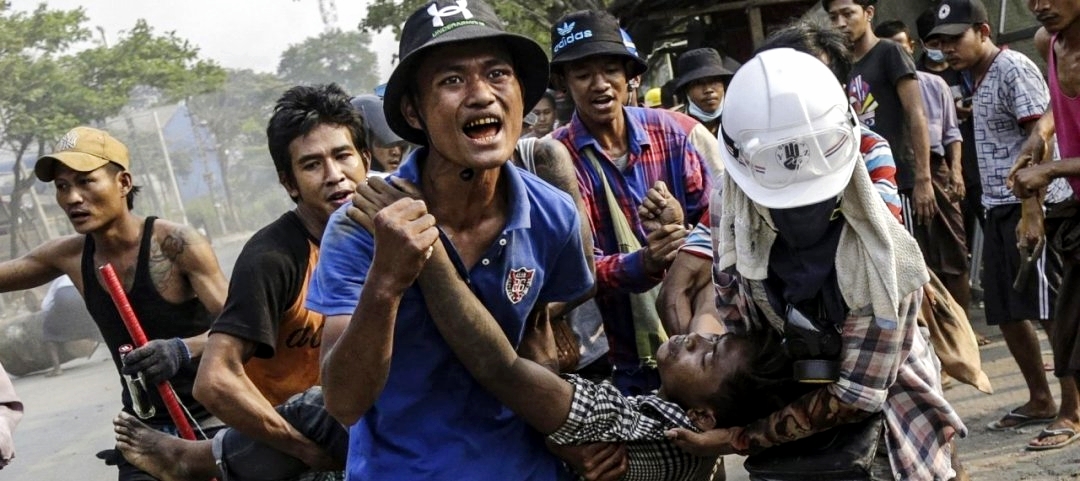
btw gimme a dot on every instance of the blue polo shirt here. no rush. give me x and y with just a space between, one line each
432 420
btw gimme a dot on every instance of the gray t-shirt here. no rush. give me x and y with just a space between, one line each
1012 92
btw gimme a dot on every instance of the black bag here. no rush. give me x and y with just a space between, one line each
843 453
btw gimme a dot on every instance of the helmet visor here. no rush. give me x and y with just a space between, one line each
796 155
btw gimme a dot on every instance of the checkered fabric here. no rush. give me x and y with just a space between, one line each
599 413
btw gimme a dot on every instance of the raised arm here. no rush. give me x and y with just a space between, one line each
357 348
532 391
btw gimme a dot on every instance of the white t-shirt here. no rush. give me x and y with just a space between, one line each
1012 92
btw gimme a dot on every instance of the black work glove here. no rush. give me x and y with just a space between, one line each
159 360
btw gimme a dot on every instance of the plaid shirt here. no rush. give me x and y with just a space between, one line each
886 366
599 413
659 149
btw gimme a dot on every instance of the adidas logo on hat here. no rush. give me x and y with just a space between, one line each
566 30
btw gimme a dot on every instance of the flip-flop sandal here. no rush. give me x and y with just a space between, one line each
1013 420
1045 433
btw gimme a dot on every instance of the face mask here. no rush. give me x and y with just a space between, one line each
935 55
803 227
702 115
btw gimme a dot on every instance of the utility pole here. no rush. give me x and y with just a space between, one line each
169 169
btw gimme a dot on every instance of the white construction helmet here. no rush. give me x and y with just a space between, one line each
789 137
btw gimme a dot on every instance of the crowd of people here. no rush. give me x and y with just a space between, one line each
467 289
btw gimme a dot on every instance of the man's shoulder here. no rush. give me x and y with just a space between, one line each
175 239
931 80
881 58
340 228
663 126
283 238
63 253
887 50
1009 59
545 198
560 133
601 395
685 122
662 118
286 229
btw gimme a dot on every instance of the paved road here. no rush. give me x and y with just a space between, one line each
68 420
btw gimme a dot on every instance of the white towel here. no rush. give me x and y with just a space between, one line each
877 262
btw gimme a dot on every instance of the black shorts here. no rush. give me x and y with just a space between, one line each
1001 261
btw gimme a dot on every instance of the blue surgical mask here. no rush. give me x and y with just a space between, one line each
935 55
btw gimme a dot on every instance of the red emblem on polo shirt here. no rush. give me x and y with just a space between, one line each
518 282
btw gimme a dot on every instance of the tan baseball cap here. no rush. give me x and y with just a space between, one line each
82 149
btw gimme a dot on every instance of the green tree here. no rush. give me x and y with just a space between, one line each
334 56
237 115
49 88
527 17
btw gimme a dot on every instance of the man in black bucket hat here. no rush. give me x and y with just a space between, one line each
453 22
702 81
641 153
460 92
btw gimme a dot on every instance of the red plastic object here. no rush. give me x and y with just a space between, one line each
168 395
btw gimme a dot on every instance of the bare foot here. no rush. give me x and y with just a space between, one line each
165 457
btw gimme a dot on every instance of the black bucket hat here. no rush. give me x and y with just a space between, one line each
592 32
441 22
700 63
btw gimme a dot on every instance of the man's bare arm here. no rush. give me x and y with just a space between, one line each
43 264
356 349
195 257
706 319
915 116
554 164
225 389
536 394
687 275
1030 228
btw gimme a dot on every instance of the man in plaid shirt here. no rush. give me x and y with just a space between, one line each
635 148
799 229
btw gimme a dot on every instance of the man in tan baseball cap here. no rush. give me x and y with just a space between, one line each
169 271
82 149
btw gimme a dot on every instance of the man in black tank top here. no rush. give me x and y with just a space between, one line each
169 272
